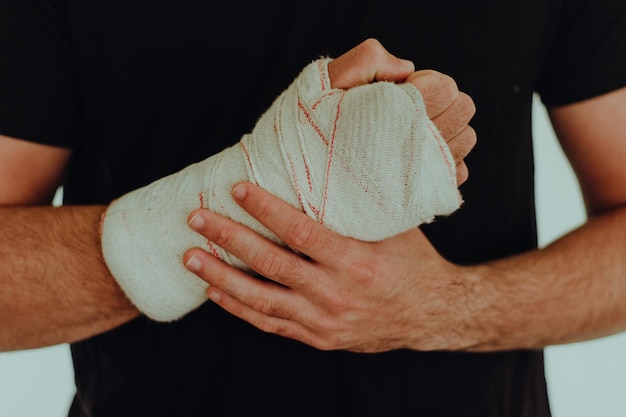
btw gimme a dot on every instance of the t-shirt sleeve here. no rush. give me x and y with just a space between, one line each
588 56
38 77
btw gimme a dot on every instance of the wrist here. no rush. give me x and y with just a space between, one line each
474 314
449 311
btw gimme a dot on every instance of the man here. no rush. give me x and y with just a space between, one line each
103 78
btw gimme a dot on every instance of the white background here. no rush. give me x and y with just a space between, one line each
584 380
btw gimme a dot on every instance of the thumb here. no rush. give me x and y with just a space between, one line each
365 63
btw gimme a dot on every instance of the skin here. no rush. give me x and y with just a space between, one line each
56 287
400 293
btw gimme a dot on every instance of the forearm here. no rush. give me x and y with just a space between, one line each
55 285
572 290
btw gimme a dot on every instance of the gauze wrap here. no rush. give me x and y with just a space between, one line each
365 162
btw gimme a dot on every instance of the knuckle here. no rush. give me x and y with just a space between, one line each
265 210
449 83
301 233
467 141
223 237
418 76
470 139
439 90
462 173
269 326
372 46
467 107
326 343
461 145
270 264
264 305
332 332
446 90
453 124
361 272
278 327
323 345
423 80
375 52
471 135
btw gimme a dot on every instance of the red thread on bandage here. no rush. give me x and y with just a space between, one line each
441 148
329 94
439 139
294 178
445 157
217 200
308 174
213 251
330 159
314 210
249 160
312 123
201 198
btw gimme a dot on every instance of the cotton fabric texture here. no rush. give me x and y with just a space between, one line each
365 162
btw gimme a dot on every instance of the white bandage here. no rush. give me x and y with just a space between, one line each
365 162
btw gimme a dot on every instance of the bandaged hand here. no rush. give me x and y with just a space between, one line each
365 162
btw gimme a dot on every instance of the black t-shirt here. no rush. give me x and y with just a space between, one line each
141 88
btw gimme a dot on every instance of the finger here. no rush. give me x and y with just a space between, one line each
268 307
263 296
456 117
438 90
462 173
295 228
260 254
267 323
462 144
366 63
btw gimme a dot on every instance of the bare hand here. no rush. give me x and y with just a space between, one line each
398 293
347 294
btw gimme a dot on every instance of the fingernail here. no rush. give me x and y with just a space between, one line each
194 264
197 222
240 192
